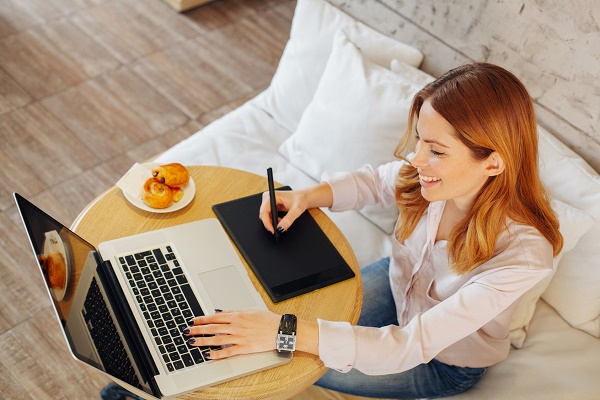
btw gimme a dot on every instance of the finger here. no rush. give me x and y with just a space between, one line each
225 352
289 218
210 329
219 317
210 341
265 213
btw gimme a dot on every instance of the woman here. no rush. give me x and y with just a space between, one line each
475 232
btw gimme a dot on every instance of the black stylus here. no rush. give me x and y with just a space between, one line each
274 218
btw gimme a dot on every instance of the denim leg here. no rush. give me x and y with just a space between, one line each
430 380
378 308
113 391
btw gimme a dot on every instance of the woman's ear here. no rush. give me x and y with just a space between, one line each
495 164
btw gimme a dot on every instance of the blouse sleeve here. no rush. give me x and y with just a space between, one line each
367 185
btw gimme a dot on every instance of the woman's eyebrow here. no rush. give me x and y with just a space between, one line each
431 141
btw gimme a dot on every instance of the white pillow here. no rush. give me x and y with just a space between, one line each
574 292
306 53
357 116
574 223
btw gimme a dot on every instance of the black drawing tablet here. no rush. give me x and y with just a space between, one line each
302 260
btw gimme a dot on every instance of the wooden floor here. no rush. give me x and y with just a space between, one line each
87 88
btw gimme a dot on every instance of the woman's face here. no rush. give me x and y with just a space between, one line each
447 171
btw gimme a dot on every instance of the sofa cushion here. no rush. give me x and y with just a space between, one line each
574 291
305 54
557 362
356 117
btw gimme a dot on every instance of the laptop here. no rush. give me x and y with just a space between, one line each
122 307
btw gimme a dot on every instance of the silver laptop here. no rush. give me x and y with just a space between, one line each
123 306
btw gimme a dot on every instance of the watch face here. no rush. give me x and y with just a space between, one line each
286 342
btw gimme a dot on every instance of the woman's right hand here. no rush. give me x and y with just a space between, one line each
290 201
294 202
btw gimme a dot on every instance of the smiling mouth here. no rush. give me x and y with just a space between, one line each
428 178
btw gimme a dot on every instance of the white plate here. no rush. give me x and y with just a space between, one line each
135 184
52 243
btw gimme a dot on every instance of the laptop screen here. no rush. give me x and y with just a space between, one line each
69 266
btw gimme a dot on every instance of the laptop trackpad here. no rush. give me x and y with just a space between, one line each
226 289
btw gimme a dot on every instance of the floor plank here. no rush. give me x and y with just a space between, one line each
37 152
50 58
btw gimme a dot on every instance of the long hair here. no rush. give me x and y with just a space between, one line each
490 110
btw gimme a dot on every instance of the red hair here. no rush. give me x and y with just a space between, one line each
490 110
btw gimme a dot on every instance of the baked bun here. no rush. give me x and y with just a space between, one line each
174 175
177 193
157 194
53 265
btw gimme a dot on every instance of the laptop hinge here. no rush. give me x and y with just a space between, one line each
132 333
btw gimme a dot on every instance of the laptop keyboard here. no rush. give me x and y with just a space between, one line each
167 302
106 338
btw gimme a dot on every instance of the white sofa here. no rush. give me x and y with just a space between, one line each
339 100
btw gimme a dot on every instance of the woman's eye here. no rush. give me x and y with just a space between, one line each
436 153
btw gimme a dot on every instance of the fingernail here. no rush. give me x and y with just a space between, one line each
186 331
280 229
191 322
218 310
191 341
207 354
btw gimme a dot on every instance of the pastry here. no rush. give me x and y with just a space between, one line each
53 265
174 175
177 193
157 194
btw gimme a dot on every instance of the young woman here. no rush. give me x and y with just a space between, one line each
475 233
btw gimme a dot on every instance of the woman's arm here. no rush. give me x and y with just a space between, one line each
248 331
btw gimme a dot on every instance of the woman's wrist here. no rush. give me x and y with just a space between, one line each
320 195
307 337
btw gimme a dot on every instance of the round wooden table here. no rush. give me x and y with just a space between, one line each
111 216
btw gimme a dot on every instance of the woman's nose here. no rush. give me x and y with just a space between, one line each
419 158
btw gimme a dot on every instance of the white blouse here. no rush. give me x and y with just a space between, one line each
460 320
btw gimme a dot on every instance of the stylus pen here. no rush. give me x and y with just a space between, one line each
274 218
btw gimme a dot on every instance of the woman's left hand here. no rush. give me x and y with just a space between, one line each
248 331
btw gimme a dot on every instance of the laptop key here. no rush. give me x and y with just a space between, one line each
182 349
196 356
178 365
187 360
178 340
158 255
192 301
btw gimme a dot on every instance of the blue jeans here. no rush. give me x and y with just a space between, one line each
434 379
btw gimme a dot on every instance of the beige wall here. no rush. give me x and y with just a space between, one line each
552 45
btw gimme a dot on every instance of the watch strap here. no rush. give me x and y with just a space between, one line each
288 323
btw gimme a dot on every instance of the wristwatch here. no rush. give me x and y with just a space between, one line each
286 336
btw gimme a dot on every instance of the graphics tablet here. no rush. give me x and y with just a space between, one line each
302 260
